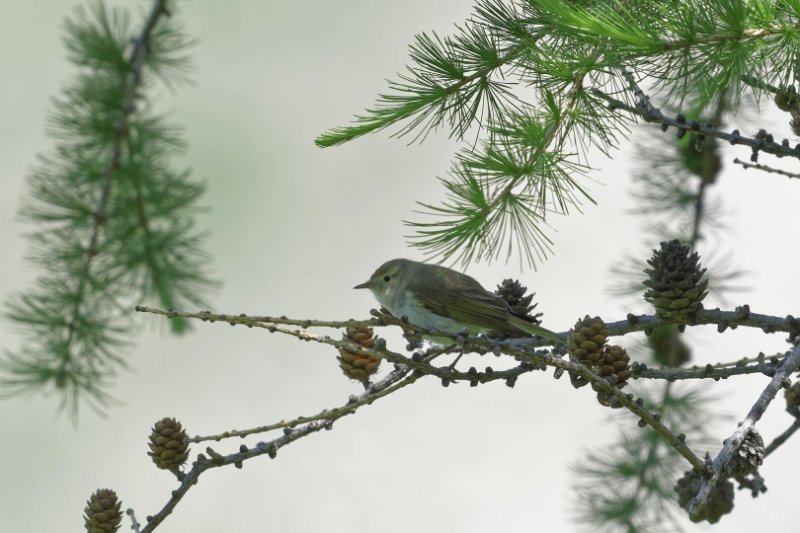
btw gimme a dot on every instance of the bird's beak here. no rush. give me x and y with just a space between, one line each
364 285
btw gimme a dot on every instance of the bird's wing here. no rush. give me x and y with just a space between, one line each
468 303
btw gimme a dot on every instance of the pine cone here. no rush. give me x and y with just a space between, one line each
719 502
355 365
169 445
102 513
514 294
676 286
587 339
615 361
748 457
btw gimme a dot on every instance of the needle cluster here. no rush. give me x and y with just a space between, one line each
112 220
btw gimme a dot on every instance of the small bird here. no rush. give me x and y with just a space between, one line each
440 298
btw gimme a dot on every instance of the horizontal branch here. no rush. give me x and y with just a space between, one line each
510 347
730 36
533 359
766 168
418 366
259 321
741 316
633 323
716 372
762 142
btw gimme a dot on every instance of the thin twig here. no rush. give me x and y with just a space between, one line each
625 400
524 354
723 319
396 380
716 372
783 437
260 321
135 525
766 168
756 83
403 365
445 373
732 443
724 37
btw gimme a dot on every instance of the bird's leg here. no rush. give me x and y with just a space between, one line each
381 313
415 340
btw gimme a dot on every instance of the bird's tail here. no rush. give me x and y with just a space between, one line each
533 329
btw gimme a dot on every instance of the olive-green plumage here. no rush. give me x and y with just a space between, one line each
437 297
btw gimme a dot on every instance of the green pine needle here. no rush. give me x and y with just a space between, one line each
112 220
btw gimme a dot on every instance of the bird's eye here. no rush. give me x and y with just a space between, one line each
387 278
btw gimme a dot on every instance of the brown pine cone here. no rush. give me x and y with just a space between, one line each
356 365
169 445
102 513
587 340
615 362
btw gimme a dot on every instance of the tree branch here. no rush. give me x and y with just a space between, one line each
419 365
530 361
732 443
135 525
715 372
718 38
762 142
741 316
766 168
394 381
121 132
512 347
783 437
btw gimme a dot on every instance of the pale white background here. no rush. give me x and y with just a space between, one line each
294 227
